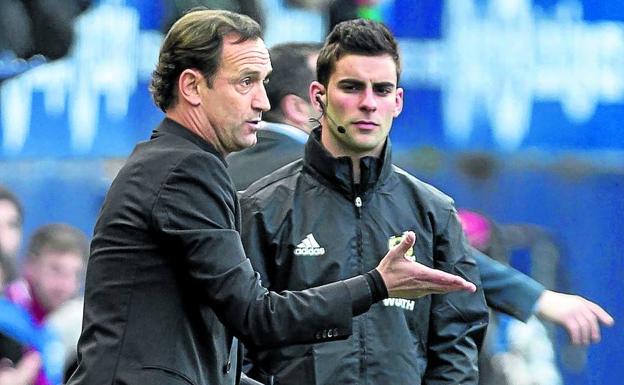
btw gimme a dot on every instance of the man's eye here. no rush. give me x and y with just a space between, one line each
266 81
350 87
384 91
246 82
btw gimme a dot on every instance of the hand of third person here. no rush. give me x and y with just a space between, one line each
579 317
408 279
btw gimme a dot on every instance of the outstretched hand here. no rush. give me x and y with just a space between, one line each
581 318
408 279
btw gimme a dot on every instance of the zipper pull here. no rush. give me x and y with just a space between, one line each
358 202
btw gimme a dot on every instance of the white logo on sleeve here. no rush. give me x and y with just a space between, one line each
309 246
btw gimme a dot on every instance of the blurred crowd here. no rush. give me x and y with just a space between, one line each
41 282
41 312
35 32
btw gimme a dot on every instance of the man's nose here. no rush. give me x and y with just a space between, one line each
368 101
261 100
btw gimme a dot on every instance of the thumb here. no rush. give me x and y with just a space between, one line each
408 241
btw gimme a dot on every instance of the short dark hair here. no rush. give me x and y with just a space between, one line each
291 75
57 237
196 41
7 195
359 37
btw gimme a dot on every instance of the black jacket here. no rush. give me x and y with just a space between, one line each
307 224
168 284
506 289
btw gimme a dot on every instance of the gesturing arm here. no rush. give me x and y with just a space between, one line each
520 296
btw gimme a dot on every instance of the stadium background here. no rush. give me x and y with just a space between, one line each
512 107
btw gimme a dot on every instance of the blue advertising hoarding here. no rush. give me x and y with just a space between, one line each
504 77
491 74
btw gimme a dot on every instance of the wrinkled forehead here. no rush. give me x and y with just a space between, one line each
247 55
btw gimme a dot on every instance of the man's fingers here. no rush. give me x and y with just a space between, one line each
408 279
449 282
408 241
593 315
595 329
604 317
584 328
594 323
573 330
445 282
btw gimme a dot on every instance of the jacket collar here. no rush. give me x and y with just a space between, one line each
170 126
284 130
339 171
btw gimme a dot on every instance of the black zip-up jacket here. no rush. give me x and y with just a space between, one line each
307 224
168 285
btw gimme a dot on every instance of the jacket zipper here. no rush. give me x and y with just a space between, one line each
360 245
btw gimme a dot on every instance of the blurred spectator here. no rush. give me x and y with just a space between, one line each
28 28
10 349
52 275
286 125
11 220
515 352
23 373
341 10
66 321
580 317
174 9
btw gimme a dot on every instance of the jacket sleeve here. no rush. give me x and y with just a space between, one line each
258 249
195 216
506 289
458 320
256 240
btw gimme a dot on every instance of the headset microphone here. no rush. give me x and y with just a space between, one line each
339 128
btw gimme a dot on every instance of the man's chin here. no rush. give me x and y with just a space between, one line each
249 142
364 146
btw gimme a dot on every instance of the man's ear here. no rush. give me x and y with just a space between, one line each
398 102
296 110
317 96
188 86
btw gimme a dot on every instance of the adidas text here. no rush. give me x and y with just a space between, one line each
309 246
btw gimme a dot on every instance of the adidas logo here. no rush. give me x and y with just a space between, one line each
309 246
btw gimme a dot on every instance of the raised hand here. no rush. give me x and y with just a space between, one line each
408 279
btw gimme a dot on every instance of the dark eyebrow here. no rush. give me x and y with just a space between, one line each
350 82
252 74
384 84
249 73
